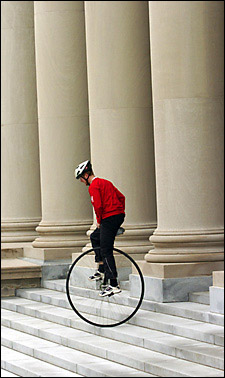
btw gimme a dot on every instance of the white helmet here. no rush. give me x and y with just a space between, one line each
82 168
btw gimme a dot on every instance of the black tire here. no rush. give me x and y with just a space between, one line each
100 323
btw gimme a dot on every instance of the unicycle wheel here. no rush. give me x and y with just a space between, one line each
107 311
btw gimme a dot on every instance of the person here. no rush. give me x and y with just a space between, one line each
109 207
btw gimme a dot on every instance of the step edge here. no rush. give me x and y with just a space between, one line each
155 365
177 349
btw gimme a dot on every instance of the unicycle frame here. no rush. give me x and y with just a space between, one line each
140 299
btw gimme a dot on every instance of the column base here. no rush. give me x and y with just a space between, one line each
166 290
19 231
49 254
194 246
179 270
67 235
173 282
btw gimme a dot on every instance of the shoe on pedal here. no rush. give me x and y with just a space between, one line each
97 276
110 290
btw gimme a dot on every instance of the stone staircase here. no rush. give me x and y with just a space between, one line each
16 272
201 297
42 336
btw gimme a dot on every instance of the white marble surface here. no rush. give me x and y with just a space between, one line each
169 289
216 299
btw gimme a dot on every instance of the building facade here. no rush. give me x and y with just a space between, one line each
137 88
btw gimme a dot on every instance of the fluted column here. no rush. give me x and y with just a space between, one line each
120 109
63 122
186 42
20 188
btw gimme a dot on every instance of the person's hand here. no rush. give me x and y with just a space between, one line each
98 225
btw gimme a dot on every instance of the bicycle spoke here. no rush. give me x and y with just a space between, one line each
83 294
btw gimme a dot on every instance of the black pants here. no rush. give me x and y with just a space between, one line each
104 238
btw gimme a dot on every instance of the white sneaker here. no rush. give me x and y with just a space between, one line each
110 290
97 276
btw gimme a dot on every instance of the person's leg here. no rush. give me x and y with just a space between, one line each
95 241
108 230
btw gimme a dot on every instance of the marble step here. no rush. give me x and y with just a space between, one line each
5 373
200 297
125 285
170 345
16 273
26 366
175 325
63 357
111 351
189 310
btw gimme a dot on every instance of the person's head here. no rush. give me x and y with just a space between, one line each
84 171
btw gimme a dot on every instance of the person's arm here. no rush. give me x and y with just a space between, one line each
121 197
97 203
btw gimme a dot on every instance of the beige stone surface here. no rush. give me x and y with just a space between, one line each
46 254
21 207
13 250
19 269
17 14
86 261
8 287
122 157
117 35
20 273
15 245
177 45
7 291
58 6
186 42
11 253
19 101
218 278
176 270
189 163
61 75
64 119
89 260
15 264
20 173
64 201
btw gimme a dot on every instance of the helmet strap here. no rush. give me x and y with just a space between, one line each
86 179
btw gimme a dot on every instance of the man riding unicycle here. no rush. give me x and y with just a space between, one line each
109 207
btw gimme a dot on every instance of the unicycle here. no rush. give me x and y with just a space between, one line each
83 294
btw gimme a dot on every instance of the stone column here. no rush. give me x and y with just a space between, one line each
63 125
186 42
120 109
20 188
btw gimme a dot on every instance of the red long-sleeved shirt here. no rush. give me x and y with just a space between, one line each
106 199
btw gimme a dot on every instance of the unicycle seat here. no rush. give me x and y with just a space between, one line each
120 231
